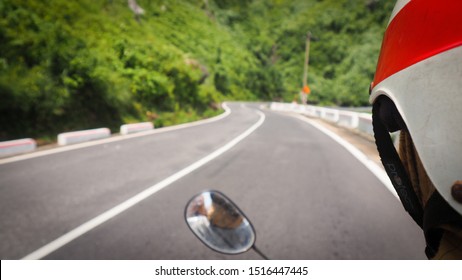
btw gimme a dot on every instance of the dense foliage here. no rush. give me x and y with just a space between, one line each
67 65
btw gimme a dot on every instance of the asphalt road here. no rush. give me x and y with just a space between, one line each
307 196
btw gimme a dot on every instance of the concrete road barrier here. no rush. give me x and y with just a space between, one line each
83 136
365 123
353 120
135 127
331 115
348 119
13 147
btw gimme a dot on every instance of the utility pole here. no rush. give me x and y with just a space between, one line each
307 58
303 93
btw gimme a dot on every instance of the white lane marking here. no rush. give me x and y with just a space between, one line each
371 165
115 138
91 224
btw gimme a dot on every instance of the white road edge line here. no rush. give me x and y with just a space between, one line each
371 165
111 213
115 138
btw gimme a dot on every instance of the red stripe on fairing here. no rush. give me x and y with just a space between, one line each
423 28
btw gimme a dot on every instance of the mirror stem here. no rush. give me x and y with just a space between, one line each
259 252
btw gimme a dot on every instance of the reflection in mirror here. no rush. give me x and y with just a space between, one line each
219 224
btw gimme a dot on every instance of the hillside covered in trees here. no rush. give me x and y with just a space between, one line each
68 65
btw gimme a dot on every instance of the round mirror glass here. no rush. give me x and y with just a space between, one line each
219 223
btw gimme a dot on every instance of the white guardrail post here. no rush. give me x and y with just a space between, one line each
365 123
353 120
348 119
14 147
75 137
136 127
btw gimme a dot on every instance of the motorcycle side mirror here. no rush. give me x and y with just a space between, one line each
220 224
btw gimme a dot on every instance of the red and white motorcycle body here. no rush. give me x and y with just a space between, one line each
420 70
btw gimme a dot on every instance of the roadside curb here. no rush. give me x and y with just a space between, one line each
20 146
348 119
16 156
80 136
136 127
361 122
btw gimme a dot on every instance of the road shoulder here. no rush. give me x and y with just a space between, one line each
362 141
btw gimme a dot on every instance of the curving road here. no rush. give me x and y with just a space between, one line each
306 195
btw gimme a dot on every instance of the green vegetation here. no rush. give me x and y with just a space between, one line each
67 65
